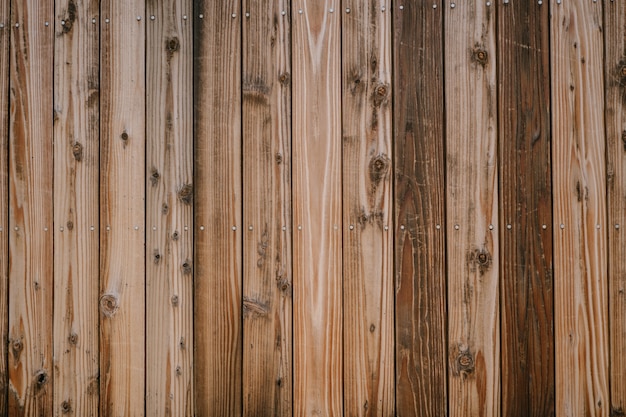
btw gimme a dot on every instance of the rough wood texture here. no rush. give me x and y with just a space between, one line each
122 210
267 284
76 207
525 203
30 209
218 259
367 215
580 228
318 353
169 208
472 206
420 288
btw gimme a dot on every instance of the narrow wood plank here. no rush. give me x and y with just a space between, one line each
318 379
76 207
218 257
579 201
472 206
368 338
615 118
30 209
169 208
419 196
525 203
122 213
267 285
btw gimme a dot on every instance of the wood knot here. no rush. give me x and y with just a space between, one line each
165 209
175 236
181 343
68 22
624 139
172 45
381 90
66 407
372 328
154 177
623 71
279 382
380 95
617 412
179 371
109 305
174 300
284 78
124 138
77 151
481 259
481 56
279 158
378 168
186 266
73 339
465 362
41 378
156 257
70 225
17 345
185 194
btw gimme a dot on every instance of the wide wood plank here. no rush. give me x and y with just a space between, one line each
526 204
30 208
76 207
472 209
169 208
317 211
419 196
267 279
122 213
217 205
579 201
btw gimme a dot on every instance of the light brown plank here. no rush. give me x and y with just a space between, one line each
579 201
368 338
30 209
318 382
472 206
122 213
169 208
217 205
267 286
76 207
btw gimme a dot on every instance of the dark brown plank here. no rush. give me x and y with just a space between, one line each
526 204
419 194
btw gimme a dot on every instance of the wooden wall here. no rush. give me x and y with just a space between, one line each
313 208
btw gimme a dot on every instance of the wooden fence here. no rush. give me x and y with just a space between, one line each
313 207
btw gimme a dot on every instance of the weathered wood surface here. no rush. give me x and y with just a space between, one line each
419 195
267 284
169 208
580 227
30 209
472 210
317 211
76 207
368 310
217 209
526 204
122 208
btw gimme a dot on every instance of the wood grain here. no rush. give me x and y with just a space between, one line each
122 209
169 208
76 207
579 201
217 205
267 282
615 119
317 283
525 203
30 209
419 197
471 206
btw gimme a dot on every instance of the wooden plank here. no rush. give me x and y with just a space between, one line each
30 209
615 119
218 257
368 339
122 213
318 379
472 206
267 286
579 201
525 203
420 263
76 207
169 208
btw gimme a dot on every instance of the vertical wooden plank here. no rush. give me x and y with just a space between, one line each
472 209
318 379
267 285
526 204
76 207
169 222
368 339
30 208
419 195
218 257
122 213
579 201
615 118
